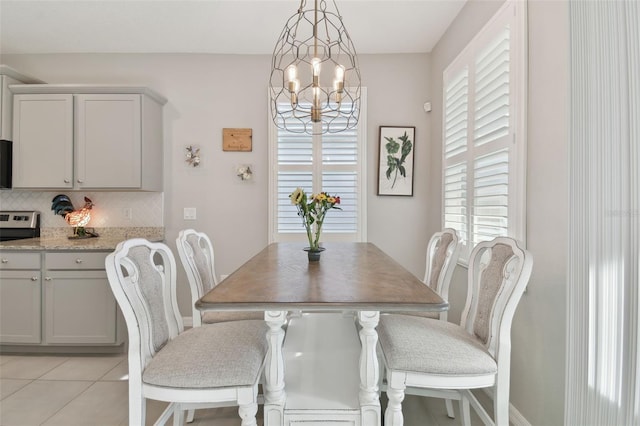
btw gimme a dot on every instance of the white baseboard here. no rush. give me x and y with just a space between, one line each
187 322
515 416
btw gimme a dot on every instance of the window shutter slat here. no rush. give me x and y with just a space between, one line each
344 185
490 196
455 199
456 114
491 109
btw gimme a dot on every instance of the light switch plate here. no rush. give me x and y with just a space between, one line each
189 213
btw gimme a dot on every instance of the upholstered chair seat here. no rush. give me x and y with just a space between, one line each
410 342
218 355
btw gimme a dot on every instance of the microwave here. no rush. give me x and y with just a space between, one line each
6 159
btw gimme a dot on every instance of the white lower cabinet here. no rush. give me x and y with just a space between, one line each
20 317
79 307
66 301
20 295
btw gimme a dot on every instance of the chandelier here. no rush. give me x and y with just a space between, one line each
315 80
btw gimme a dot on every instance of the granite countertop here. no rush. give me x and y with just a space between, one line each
57 239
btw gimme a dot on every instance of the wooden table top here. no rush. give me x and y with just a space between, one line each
349 276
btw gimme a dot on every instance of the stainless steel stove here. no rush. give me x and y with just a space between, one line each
17 225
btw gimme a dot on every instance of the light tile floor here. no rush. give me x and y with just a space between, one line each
92 390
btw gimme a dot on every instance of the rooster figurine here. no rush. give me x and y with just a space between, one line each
62 205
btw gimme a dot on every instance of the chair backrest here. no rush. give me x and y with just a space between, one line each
443 251
196 254
142 276
499 271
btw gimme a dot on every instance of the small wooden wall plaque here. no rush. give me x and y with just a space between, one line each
236 139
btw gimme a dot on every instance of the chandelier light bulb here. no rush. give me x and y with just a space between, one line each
340 73
292 73
315 65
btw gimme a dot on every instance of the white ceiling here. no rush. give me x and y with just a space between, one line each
210 26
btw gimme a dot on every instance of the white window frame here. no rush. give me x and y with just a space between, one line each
512 13
361 169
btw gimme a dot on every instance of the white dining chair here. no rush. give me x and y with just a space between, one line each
213 365
443 251
448 360
197 256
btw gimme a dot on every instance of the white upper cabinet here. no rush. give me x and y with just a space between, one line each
43 141
87 138
108 141
9 76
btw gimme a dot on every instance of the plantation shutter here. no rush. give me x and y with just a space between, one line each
490 196
455 199
339 176
484 91
491 131
456 115
331 162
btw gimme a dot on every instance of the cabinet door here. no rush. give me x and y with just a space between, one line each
79 308
20 316
6 107
108 141
43 141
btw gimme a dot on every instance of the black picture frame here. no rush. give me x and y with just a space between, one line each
396 160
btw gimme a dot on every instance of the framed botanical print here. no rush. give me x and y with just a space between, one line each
395 165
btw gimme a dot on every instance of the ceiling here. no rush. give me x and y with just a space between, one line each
210 26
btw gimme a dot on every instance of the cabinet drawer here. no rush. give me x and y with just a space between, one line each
75 260
14 260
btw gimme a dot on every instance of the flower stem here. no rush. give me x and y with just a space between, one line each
309 236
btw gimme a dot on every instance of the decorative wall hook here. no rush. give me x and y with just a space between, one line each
244 172
193 156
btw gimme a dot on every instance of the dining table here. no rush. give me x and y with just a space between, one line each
331 377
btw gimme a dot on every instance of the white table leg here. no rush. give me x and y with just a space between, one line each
369 369
274 394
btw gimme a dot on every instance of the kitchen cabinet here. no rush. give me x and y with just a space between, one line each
9 76
20 293
87 137
58 299
78 303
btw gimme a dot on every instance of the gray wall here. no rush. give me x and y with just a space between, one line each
207 93
538 334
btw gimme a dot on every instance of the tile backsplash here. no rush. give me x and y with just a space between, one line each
109 207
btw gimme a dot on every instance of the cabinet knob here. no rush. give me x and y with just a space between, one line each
34 278
47 278
5 260
80 181
67 181
78 260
